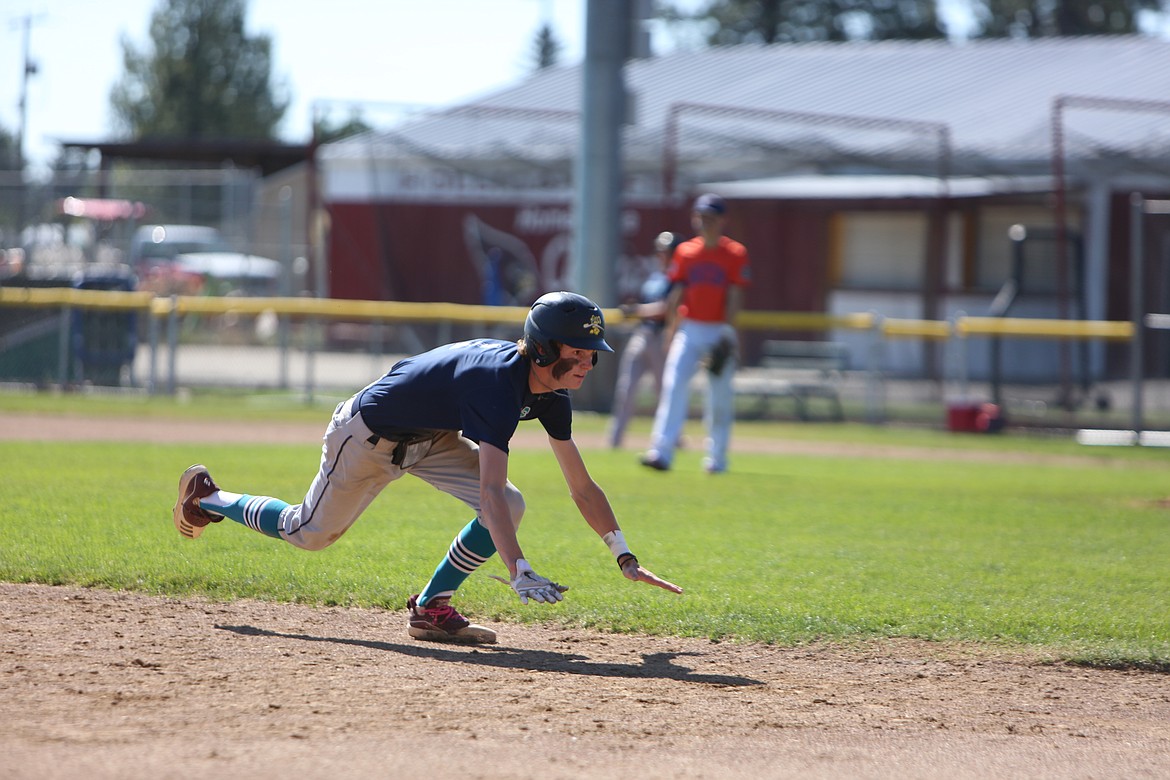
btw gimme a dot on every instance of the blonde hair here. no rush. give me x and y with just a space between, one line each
522 344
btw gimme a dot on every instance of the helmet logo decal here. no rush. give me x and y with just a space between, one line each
594 325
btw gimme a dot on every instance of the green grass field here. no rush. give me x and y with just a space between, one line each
1031 542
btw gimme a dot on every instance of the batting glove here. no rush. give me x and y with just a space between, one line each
530 585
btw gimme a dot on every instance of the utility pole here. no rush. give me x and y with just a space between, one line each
597 206
29 68
614 32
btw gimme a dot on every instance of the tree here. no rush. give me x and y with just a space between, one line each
546 49
9 154
205 79
11 189
325 130
1044 18
786 21
789 21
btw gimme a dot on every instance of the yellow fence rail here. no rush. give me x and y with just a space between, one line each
400 311
110 300
1059 329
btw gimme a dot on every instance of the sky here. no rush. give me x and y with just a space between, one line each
336 53
375 53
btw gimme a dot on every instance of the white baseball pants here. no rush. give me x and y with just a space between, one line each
692 341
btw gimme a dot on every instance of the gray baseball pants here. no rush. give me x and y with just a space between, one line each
356 465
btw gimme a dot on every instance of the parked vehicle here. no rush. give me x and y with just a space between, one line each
197 260
154 245
227 273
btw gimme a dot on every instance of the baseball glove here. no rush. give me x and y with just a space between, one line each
720 355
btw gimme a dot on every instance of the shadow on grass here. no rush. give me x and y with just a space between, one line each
654 665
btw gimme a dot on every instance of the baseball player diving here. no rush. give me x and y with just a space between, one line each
446 416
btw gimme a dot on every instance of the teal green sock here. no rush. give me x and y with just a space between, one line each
470 550
260 513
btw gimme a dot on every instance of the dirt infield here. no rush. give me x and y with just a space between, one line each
105 684
118 685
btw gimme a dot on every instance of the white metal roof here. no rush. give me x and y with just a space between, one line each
984 108
874 187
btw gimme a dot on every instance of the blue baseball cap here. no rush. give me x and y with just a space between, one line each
710 203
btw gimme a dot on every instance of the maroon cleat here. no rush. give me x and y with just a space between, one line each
439 622
190 517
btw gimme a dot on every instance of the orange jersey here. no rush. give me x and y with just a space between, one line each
705 274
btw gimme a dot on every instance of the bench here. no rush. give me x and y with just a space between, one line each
800 370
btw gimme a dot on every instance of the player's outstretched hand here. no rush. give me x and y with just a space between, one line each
531 586
635 572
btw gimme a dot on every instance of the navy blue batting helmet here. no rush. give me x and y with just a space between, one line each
566 318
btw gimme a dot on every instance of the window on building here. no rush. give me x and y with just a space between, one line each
883 250
995 249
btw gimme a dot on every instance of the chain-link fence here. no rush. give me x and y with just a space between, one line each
142 219
474 204
319 349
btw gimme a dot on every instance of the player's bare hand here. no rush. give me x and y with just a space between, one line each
633 571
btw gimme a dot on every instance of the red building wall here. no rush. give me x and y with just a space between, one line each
447 252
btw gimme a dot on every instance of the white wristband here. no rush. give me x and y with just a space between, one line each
616 542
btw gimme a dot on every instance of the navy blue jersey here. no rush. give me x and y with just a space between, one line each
479 387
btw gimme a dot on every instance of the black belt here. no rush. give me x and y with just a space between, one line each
398 457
